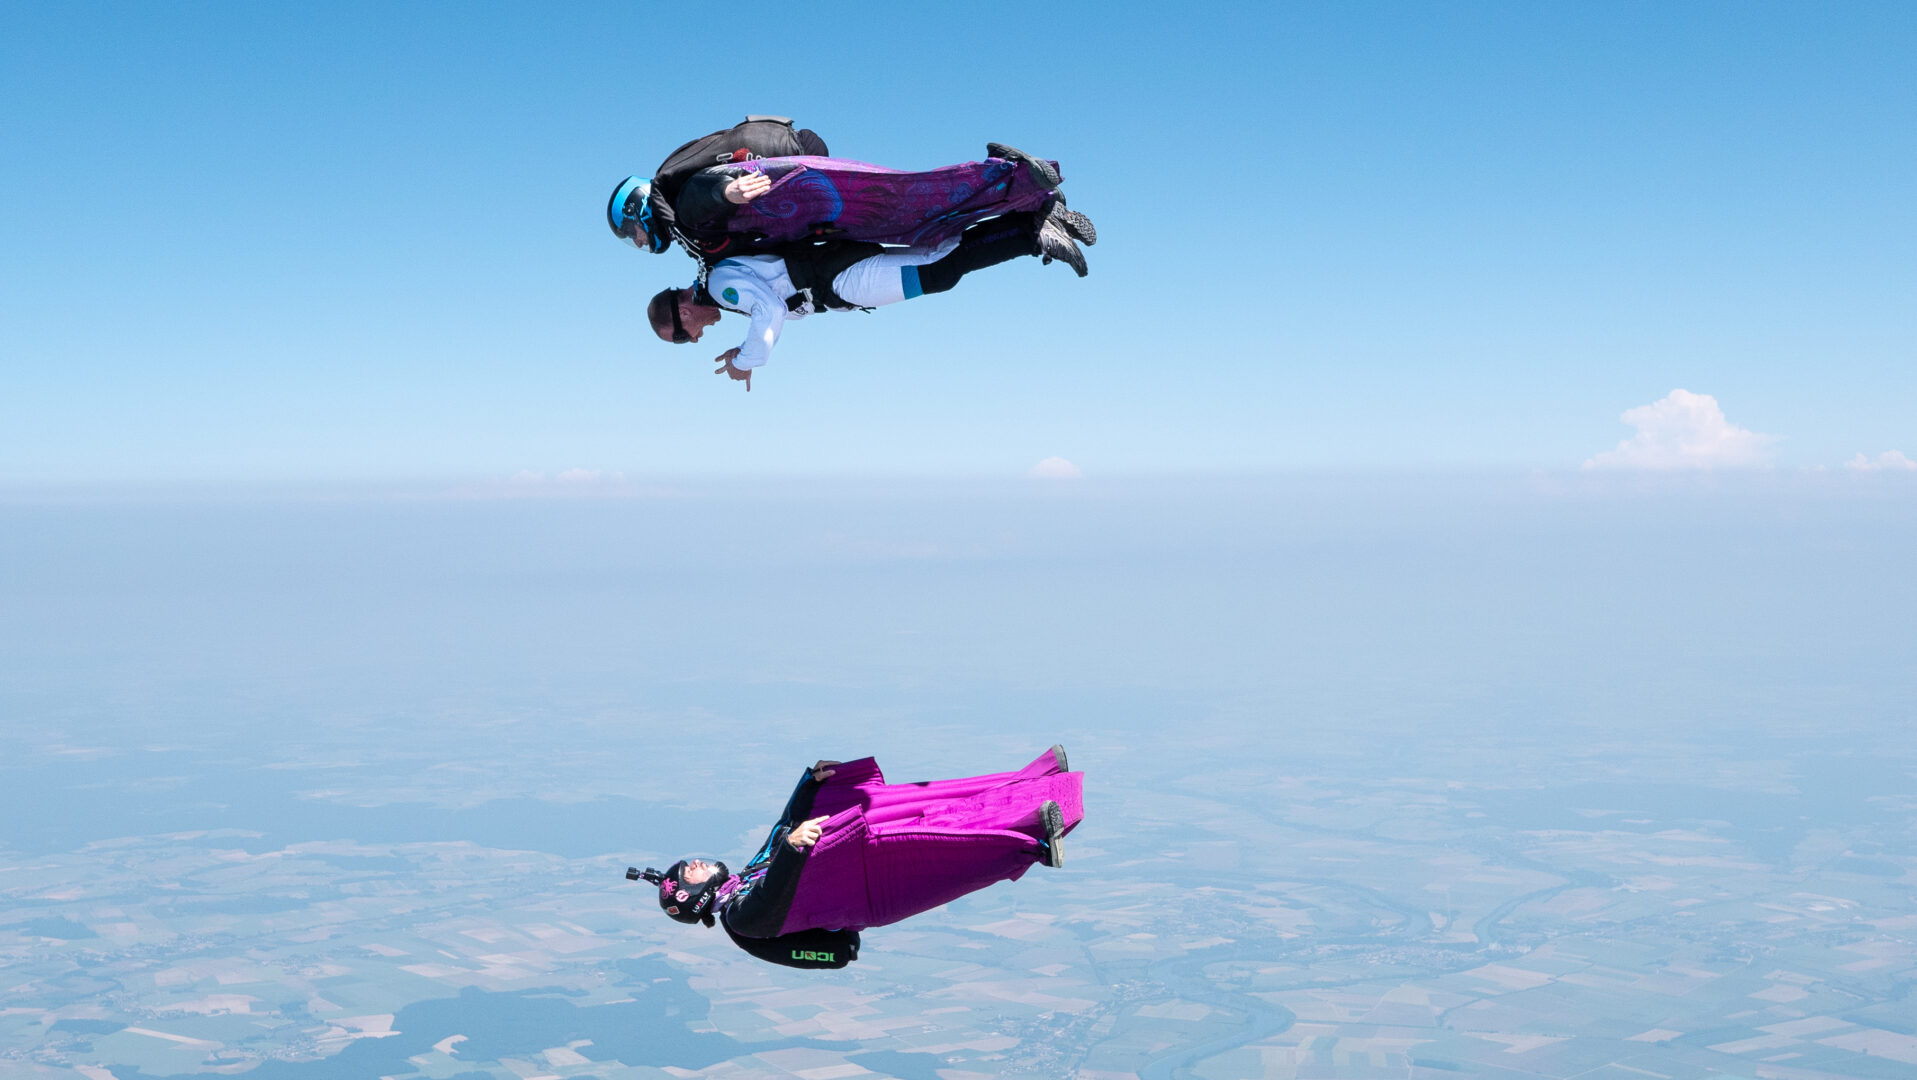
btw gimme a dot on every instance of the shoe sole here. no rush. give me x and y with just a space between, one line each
1054 819
1077 225
1068 254
1042 170
1058 753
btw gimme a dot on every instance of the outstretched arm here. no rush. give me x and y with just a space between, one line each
708 197
738 286
799 806
797 809
760 911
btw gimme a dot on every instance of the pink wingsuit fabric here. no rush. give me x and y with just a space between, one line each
891 851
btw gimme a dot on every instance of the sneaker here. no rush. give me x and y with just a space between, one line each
1058 753
1054 243
1054 820
1043 171
1076 225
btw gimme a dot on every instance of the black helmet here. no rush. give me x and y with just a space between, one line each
687 903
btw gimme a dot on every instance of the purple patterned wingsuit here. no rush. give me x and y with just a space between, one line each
888 206
891 851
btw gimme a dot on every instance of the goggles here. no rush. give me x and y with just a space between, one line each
679 335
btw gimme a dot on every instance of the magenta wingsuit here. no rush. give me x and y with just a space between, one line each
894 850
891 851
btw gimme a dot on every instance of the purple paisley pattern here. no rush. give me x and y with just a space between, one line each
802 194
858 201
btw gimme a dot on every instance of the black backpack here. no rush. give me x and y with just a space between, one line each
756 137
803 948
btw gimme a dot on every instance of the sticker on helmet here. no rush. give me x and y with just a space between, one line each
731 295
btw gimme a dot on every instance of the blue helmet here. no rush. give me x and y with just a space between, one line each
629 212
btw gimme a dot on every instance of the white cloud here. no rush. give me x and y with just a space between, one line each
569 478
575 483
1888 461
1055 468
1683 430
589 476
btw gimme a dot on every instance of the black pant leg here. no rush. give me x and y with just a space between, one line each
986 244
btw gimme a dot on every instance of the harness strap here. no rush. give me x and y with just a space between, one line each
815 267
705 268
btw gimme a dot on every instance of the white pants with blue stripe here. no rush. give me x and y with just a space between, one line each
888 278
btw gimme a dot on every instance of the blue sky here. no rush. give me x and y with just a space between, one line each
365 242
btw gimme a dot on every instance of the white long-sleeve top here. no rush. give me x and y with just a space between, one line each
756 286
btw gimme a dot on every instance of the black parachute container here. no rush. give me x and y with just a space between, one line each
755 137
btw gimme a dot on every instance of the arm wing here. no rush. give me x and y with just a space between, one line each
798 808
759 911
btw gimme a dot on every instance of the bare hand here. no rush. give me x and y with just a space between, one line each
737 374
823 770
747 188
807 834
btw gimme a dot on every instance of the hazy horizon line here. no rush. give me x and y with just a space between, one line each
571 485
